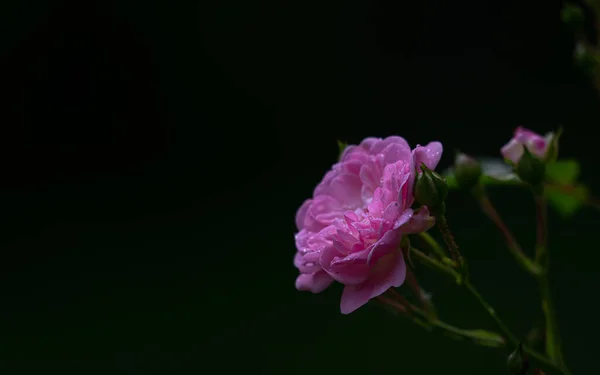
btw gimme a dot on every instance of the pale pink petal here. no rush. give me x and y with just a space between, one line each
391 212
512 151
370 176
378 147
392 174
346 237
347 190
421 221
524 136
348 151
387 244
354 154
307 262
323 188
353 166
407 192
376 208
315 282
430 155
354 296
535 143
368 143
323 211
318 242
301 213
301 239
403 219
307 241
395 152
537 147
346 269
391 273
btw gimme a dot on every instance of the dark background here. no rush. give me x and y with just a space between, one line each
153 155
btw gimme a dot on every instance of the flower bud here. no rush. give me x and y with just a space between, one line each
517 362
530 169
430 188
467 171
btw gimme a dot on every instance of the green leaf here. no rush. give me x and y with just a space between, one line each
479 336
487 338
563 172
341 146
566 200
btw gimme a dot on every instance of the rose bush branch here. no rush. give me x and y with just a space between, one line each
468 174
466 283
513 245
433 245
553 342
529 153
354 230
424 319
418 292
531 170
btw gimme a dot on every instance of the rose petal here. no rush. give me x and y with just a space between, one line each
420 221
368 143
347 190
347 269
307 263
430 155
378 147
403 219
301 213
387 244
391 274
512 151
396 152
314 282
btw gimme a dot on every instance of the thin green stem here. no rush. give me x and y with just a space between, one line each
422 318
433 245
509 335
442 224
413 283
541 243
489 309
511 242
437 265
553 342
479 336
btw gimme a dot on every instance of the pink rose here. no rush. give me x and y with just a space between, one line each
350 230
535 143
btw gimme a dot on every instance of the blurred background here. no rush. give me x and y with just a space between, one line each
153 155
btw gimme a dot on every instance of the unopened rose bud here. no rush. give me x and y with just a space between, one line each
430 189
531 169
467 171
517 362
